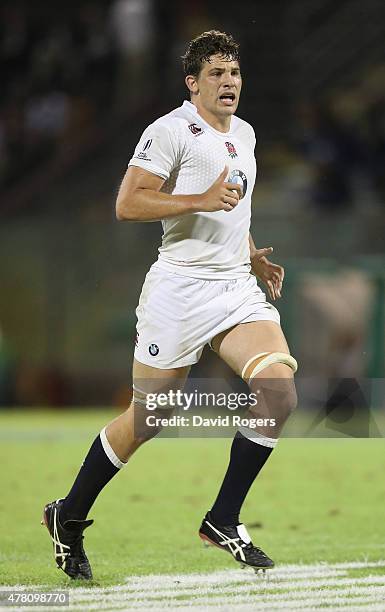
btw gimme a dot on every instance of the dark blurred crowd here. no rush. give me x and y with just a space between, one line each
343 141
68 68
57 74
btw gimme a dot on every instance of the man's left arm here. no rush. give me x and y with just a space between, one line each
270 274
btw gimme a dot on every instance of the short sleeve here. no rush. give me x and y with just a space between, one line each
157 150
253 137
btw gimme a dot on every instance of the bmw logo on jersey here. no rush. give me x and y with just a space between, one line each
239 177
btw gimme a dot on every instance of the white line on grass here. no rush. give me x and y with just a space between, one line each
251 607
279 588
262 596
372 593
287 587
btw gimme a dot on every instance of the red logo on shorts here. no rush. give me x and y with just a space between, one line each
231 149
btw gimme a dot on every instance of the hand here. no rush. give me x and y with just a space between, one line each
221 195
269 273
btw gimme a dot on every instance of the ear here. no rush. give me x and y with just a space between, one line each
192 84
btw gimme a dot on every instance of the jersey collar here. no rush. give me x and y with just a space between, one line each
192 109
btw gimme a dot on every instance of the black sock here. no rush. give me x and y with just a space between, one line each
97 470
247 458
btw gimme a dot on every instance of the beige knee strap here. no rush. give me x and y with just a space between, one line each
149 400
138 395
261 361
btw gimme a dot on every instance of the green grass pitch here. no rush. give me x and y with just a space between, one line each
316 500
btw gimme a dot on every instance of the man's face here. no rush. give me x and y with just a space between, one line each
219 86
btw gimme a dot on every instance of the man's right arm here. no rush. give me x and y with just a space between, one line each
140 198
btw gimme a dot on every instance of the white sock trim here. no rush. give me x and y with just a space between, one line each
110 451
258 438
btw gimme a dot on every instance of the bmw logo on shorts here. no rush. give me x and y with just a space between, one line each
239 177
153 349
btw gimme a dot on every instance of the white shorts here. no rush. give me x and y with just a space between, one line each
178 315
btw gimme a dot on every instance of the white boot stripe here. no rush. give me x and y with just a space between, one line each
57 543
232 543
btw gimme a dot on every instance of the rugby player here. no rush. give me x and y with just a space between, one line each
194 169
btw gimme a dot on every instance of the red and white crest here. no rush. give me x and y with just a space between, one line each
231 149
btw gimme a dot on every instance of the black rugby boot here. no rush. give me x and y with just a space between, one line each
235 540
67 542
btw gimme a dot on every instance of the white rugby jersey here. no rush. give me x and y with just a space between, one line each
189 154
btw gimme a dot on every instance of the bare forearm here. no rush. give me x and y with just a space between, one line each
149 205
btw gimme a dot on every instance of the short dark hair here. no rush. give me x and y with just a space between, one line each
201 48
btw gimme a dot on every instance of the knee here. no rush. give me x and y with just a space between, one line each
145 428
147 424
289 398
275 393
275 397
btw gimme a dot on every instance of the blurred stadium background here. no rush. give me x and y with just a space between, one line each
80 81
